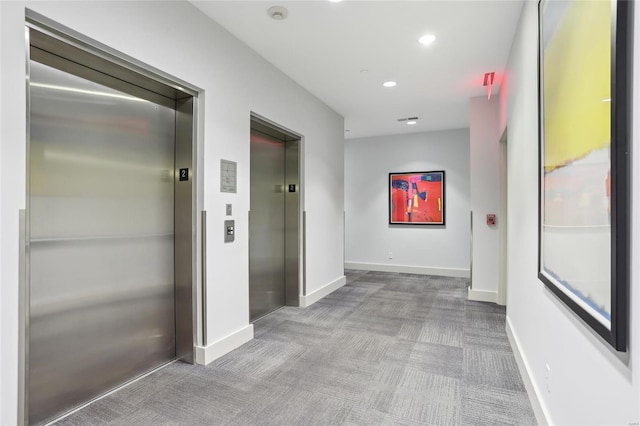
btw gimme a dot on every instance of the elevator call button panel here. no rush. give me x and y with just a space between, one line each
229 231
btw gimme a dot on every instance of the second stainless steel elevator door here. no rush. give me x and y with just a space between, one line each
266 226
101 218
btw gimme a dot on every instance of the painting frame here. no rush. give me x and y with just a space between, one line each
612 324
417 207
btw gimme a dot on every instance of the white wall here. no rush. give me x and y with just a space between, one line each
589 382
176 38
485 135
442 250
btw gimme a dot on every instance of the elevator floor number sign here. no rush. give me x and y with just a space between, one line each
184 174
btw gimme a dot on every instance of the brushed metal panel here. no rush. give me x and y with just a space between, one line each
184 231
203 272
266 226
101 220
292 220
71 67
471 250
23 326
304 253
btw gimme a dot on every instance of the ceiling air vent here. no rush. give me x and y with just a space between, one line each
407 119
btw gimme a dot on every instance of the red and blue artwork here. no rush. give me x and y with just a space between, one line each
416 198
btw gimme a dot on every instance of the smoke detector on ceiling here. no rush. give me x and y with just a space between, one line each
278 13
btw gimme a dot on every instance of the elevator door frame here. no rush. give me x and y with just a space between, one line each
187 195
294 215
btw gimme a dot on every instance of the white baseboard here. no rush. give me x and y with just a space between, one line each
483 296
422 270
540 411
205 355
312 298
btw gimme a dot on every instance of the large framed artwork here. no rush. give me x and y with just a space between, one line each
584 120
417 198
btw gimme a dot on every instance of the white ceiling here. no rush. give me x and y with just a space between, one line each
325 47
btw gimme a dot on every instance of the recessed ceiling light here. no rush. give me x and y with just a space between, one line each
335 1
411 123
427 39
389 83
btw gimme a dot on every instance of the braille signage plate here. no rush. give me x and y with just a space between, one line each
228 176
184 174
292 188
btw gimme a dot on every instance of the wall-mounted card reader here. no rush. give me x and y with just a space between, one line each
229 231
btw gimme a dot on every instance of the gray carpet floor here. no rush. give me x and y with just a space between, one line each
386 349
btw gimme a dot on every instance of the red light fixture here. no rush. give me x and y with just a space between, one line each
488 82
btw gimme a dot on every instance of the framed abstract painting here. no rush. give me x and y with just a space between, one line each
417 198
584 123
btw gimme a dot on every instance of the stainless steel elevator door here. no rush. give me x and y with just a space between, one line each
266 226
101 218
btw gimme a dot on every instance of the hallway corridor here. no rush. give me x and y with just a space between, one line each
393 349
